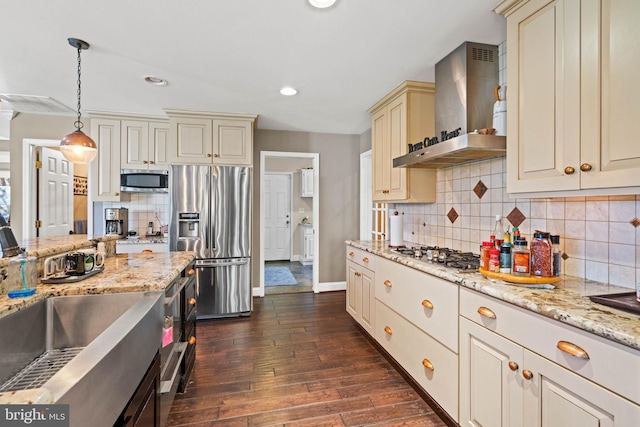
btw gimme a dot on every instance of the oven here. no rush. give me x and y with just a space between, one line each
174 342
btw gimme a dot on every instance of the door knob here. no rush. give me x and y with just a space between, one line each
287 222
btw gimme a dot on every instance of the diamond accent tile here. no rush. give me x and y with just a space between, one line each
635 222
516 217
564 256
480 189
452 215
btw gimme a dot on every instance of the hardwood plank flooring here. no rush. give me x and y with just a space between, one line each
298 360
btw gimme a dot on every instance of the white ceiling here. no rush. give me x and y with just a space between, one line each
235 55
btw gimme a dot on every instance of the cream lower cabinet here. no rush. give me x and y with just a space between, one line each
573 91
519 379
360 287
306 244
417 323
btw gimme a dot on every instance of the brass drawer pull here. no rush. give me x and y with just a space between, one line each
388 283
388 330
351 254
486 312
428 304
527 374
365 259
191 271
513 366
192 340
192 301
572 349
427 364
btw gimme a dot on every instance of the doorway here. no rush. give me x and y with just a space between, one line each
303 227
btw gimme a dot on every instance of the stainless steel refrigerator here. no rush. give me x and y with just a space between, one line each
211 215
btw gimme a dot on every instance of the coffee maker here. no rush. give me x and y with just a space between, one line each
116 221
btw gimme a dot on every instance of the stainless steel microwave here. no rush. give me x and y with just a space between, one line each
144 181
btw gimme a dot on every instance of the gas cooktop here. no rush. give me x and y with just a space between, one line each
452 258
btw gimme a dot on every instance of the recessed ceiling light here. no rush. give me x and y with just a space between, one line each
156 81
288 91
322 4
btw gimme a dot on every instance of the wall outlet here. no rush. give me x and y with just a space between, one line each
300 210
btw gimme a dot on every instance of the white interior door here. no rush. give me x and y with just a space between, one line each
55 195
277 221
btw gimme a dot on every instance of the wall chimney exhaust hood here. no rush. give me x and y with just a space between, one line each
465 82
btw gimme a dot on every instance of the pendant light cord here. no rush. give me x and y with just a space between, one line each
78 124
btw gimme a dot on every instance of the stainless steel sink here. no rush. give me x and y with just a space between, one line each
89 351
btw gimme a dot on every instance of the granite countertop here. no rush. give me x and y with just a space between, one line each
568 303
122 273
45 246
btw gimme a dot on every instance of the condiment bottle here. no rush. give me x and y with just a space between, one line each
498 231
505 258
516 234
557 255
494 260
521 258
484 254
541 255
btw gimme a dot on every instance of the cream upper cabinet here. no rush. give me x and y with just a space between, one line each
572 96
144 145
105 168
406 115
211 139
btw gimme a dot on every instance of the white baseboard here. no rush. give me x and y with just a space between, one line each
332 286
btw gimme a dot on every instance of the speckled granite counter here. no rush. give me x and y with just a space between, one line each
568 303
122 273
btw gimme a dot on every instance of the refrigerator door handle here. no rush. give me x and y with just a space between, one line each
222 263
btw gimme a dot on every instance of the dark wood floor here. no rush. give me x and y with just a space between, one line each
299 360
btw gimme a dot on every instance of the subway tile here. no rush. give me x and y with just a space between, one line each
622 254
597 210
598 271
622 211
597 231
575 229
575 210
556 209
574 267
575 249
621 232
597 251
538 209
622 276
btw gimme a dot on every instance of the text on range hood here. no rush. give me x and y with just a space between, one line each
465 82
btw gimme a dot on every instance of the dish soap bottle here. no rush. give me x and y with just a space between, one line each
25 266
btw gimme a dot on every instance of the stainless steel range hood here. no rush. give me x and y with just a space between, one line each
465 82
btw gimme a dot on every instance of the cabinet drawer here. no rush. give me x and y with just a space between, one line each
428 302
360 257
612 365
431 364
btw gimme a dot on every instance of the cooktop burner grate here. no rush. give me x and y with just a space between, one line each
461 261
41 369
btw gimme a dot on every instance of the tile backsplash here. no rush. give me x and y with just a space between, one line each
600 235
142 210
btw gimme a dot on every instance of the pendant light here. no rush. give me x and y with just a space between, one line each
77 147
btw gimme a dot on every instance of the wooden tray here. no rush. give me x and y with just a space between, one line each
532 280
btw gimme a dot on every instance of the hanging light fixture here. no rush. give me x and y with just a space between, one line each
77 147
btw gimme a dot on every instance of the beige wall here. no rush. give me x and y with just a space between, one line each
339 192
32 126
365 141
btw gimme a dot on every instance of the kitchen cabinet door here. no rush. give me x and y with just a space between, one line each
406 115
554 396
158 146
105 168
361 294
306 183
573 93
135 144
491 391
232 142
191 140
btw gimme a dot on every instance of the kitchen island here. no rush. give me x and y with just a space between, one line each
486 352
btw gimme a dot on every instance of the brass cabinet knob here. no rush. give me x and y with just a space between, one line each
572 349
569 170
585 167
388 283
351 254
144 162
192 340
117 194
192 301
365 259
151 162
486 312
427 364
428 304
513 366
191 271
209 155
527 374
216 155
388 330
